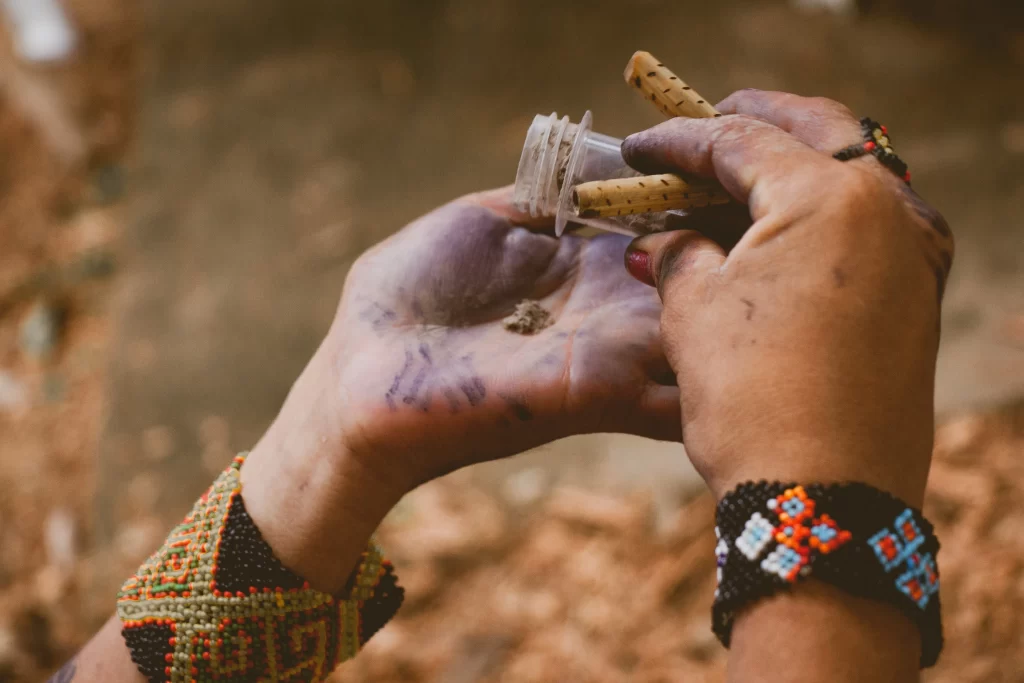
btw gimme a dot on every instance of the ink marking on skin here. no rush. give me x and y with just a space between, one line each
425 352
839 277
390 395
453 400
550 359
425 402
65 674
474 391
414 388
521 411
378 316
929 214
751 307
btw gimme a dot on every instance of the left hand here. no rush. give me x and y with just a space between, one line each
429 379
418 375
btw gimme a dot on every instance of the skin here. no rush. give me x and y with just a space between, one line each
418 377
806 353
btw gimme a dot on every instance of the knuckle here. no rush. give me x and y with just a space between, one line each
829 106
743 96
729 128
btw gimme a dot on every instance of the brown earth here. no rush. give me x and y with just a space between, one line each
261 144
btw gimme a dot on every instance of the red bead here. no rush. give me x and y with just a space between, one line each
869 146
885 131
906 176
169 657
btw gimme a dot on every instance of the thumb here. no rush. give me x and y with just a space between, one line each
678 262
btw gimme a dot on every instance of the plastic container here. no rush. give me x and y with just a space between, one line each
557 156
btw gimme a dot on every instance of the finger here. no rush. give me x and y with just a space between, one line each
751 158
658 415
824 124
499 200
678 263
725 224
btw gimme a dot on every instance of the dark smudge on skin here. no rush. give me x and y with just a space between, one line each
474 390
751 307
417 383
389 397
453 400
839 277
521 411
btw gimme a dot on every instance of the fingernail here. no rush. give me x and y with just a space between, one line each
638 263
629 143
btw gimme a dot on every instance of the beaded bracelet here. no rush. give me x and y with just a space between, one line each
876 142
853 536
215 604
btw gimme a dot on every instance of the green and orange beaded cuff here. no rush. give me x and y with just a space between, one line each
214 604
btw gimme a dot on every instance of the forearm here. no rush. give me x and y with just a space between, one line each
104 658
816 634
314 504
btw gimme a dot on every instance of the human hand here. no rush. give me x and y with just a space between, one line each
418 375
430 379
808 352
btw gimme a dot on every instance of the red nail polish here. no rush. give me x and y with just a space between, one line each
638 263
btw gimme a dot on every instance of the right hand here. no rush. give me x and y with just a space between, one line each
807 353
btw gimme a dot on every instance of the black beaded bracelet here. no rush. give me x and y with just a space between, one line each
876 142
853 536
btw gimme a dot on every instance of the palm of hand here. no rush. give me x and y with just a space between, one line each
430 375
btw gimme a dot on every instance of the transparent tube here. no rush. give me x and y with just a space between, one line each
557 156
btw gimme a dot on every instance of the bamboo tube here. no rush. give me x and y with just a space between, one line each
651 194
662 87
646 194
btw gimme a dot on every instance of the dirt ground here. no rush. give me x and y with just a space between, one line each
143 338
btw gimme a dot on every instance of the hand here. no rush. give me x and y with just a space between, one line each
418 375
429 378
808 352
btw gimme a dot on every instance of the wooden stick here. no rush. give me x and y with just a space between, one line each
650 194
645 194
669 94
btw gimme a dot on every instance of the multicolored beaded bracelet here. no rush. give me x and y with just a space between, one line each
214 604
877 142
853 536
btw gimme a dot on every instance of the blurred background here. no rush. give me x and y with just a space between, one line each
183 186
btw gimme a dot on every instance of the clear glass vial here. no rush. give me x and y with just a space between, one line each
557 156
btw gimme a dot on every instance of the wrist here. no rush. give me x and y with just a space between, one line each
315 502
827 634
896 465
